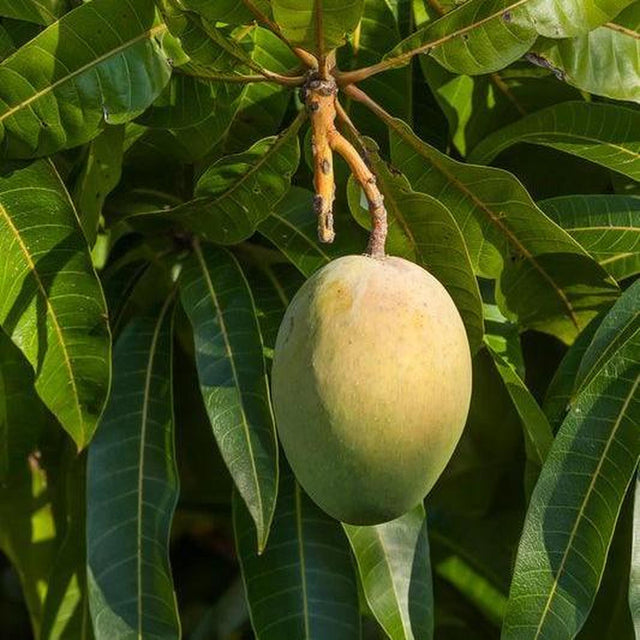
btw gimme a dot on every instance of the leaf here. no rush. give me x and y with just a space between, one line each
101 63
132 490
100 175
228 11
238 191
39 11
503 338
634 579
483 36
395 571
537 431
605 61
575 505
607 226
303 585
502 226
292 227
66 608
600 133
51 303
317 26
233 378
425 232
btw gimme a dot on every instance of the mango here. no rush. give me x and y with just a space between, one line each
371 384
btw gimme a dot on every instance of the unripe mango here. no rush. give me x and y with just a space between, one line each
371 386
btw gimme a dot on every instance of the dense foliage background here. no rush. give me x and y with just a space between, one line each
156 195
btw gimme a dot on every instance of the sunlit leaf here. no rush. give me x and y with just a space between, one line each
101 63
601 133
576 502
607 226
132 490
233 379
395 570
51 303
605 61
303 585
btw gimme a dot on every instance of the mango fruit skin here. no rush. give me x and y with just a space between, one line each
371 385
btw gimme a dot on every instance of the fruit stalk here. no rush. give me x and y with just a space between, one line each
319 96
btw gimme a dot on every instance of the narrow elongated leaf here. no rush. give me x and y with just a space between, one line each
422 229
51 303
395 571
608 227
233 380
39 11
602 133
317 25
483 36
66 608
303 585
634 578
100 175
502 226
576 503
292 227
102 62
238 191
605 61
132 490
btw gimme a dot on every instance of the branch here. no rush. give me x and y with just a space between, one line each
264 76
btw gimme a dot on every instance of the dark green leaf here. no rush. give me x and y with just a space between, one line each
607 226
238 191
576 503
422 229
502 226
233 379
101 63
395 570
100 175
51 303
228 11
317 26
605 61
132 490
634 578
303 585
602 133
292 227
39 11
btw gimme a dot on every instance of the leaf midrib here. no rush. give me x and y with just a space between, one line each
586 498
147 34
50 311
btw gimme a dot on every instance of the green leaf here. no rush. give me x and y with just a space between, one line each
423 230
605 61
600 133
233 379
228 11
576 503
607 226
238 191
66 608
503 338
100 175
303 585
51 303
483 36
537 431
395 571
292 227
317 26
502 226
101 63
39 11
634 578
132 490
